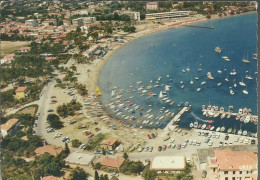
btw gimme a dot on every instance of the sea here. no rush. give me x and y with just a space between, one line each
166 54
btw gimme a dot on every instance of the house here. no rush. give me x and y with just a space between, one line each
49 178
233 165
50 58
66 23
90 52
77 22
51 149
7 59
168 163
31 22
24 49
109 144
151 5
112 162
89 20
135 16
21 92
9 128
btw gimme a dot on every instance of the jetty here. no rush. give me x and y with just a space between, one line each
253 118
207 27
176 118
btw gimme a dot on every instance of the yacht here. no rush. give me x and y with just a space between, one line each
209 75
218 49
242 83
198 89
203 82
245 61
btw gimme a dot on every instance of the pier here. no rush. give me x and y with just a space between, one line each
207 27
175 119
253 118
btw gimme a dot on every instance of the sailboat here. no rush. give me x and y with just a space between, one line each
226 79
167 88
245 60
242 83
113 93
235 84
161 95
231 91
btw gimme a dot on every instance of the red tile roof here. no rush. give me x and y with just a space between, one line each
112 162
9 124
21 89
228 160
51 149
109 142
50 58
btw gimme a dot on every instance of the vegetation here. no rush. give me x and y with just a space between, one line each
125 156
131 167
76 143
68 109
81 89
129 29
149 174
78 174
94 142
54 121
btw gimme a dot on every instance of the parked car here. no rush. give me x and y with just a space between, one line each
207 140
252 141
159 148
178 146
153 135
164 147
173 146
172 140
226 137
149 136
204 174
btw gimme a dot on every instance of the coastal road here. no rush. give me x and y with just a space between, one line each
13 111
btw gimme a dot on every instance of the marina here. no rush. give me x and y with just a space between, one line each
175 119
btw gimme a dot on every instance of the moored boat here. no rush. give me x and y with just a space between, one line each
229 130
222 129
208 127
195 124
218 129
191 125
212 128
199 126
244 132
203 126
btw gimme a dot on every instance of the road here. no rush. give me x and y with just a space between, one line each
13 111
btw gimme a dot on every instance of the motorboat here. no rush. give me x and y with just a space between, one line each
198 89
203 82
219 71
199 126
183 70
242 83
231 91
239 132
240 111
212 128
229 130
226 79
191 125
218 49
195 124
218 129
249 77
187 69
222 129
210 121
245 61
196 78
203 126
227 59
245 91
247 119
182 86
208 127
191 82
223 115
235 85
219 84
244 133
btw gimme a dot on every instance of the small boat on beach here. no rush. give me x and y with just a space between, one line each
222 129
218 129
244 133
229 130
208 127
203 126
191 125
212 128
199 126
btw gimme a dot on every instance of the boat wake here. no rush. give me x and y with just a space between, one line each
197 118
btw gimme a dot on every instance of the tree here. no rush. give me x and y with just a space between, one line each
76 143
54 121
114 178
67 150
149 174
125 156
97 165
96 175
78 174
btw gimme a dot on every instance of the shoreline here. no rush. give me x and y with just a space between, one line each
92 80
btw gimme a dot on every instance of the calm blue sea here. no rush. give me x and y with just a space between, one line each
168 52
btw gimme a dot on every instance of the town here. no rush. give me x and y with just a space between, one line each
53 123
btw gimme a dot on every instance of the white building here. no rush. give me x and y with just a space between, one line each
90 52
80 12
151 5
8 128
168 163
31 22
135 16
167 15
80 158
89 20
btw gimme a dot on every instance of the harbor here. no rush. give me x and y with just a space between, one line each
176 119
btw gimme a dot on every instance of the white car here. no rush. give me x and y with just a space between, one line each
241 140
246 141
236 139
210 143
169 146
172 140
198 143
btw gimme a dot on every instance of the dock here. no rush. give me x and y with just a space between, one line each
207 27
175 119
253 118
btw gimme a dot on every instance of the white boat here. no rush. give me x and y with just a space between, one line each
188 69
231 92
240 111
245 91
182 86
209 75
212 128
198 89
191 82
223 115
245 60
224 57
191 125
218 129
203 126
219 84
218 49
249 77
203 82
181 82
196 78
227 59
235 85
183 70
239 132
161 95
244 132
113 93
222 129
219 71
167 88
247 119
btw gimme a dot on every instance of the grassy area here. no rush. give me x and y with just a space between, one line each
8 47
32 109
